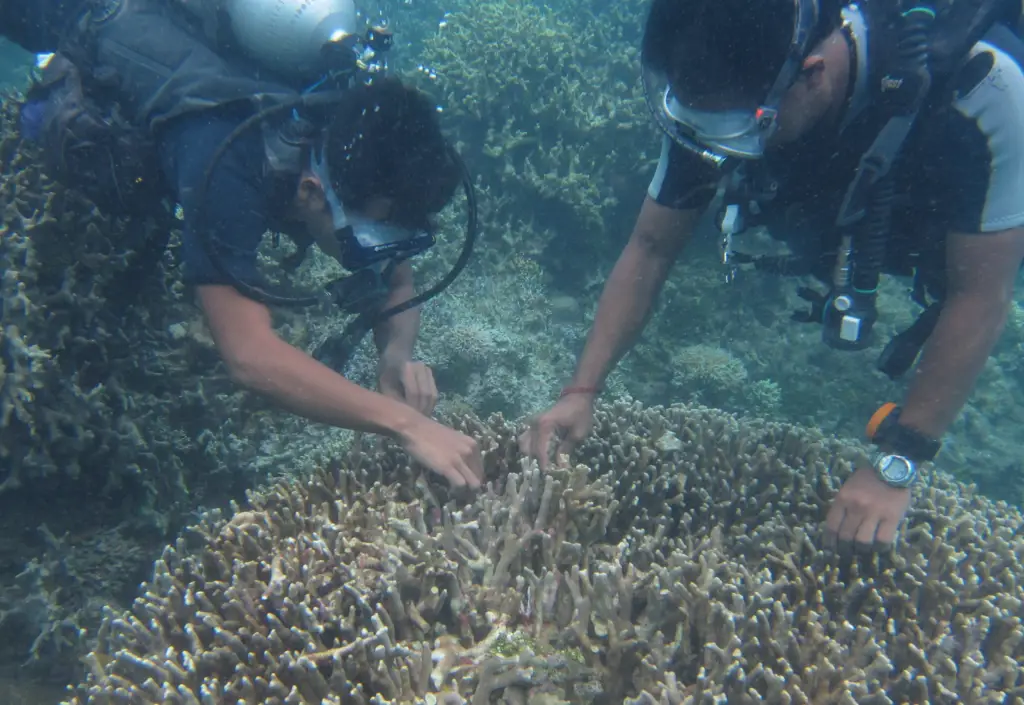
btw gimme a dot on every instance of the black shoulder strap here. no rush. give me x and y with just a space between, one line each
900 87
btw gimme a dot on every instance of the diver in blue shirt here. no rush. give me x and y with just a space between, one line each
150 103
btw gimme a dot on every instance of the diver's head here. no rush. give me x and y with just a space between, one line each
738 76
384 166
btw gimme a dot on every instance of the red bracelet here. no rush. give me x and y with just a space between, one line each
566 391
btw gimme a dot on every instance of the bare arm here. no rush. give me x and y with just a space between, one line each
396 337
981 272
258 359
632 288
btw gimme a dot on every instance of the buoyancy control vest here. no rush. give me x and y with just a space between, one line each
161 66
125 69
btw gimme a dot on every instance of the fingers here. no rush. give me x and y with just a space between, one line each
886 534
430 385
409 384
473 467
833 522
864 538
536 441
849 533
565 448
420 387
467 467
455 476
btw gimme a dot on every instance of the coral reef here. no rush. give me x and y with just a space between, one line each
554 119
715 377
126 417
675 563
60 592
114 409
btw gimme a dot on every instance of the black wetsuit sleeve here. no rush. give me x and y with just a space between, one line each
237 210
682 181
37 25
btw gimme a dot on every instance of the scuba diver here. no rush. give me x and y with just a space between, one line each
257 119
884 136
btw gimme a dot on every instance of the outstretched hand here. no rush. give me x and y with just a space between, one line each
568 422
865 514
409 382
453 455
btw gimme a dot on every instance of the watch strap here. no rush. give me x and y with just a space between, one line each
886 431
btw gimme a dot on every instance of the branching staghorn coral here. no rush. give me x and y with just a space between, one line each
675 564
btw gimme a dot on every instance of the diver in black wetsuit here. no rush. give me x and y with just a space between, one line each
804 106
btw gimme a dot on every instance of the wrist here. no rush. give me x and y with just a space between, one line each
401 422
583 390
392 355
887 430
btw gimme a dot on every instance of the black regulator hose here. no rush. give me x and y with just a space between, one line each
365 321
336 351
255 293
869 250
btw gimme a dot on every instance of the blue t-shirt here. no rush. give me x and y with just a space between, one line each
243 200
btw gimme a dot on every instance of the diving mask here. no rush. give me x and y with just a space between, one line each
735 132
365 242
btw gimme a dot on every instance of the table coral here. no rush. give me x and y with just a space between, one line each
674 564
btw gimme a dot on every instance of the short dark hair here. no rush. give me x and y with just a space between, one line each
705 47
385 141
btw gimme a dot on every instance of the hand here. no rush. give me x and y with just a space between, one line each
865 513
445 451
409 382
572 418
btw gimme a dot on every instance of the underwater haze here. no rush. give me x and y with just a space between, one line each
14 63
168 535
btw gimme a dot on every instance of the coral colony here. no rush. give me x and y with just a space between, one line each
677 564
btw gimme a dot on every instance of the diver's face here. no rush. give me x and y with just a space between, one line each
313 210
804 105
817 94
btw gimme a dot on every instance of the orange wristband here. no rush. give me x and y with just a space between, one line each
878 417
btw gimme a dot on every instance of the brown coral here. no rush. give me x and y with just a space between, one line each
676 564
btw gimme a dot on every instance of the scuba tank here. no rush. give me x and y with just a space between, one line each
300 42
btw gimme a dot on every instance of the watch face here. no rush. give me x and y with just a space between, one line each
896 470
